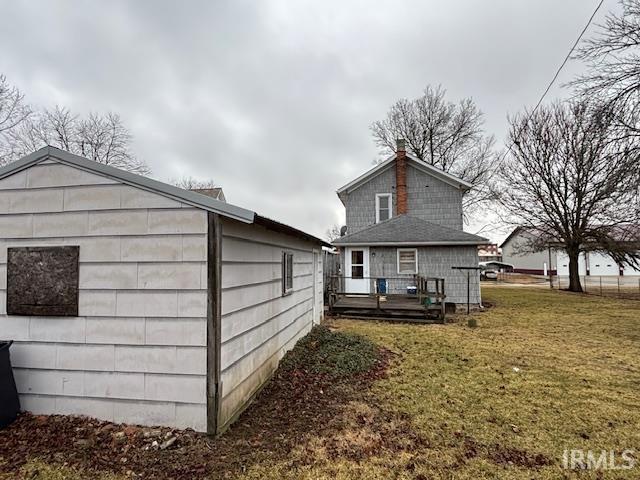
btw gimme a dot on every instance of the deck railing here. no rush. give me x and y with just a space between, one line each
426 293
430 291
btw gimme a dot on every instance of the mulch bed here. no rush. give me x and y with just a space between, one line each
304 398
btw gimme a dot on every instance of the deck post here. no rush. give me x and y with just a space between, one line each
550 275
443 306
468 291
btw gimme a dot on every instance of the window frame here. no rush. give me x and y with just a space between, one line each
361 264
378 196
287 262
415 253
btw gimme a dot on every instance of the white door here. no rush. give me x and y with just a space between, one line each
357 270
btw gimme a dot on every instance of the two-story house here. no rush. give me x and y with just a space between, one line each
404 217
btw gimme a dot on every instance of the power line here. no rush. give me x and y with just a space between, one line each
555 77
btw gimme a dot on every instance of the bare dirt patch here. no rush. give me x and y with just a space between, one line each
319 389
502 455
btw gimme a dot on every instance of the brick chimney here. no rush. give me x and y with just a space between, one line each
401 177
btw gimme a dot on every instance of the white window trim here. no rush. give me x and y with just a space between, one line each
378 195
351 264
415 252
285 290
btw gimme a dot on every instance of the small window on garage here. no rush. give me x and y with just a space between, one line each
407 260
287 272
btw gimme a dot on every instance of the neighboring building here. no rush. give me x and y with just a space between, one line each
594 264
404 217
489 252
214 192
135 301
515 252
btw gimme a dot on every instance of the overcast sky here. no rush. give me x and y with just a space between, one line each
273 99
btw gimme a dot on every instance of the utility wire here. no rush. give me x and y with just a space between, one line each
553 80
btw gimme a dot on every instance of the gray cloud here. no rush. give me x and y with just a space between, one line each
273 99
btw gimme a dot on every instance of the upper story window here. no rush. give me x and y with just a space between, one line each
287 273
384 206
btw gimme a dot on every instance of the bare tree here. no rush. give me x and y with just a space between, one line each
56 127
191 183
572 181
613 61
205 187
444 134
99 137
333 233
13 112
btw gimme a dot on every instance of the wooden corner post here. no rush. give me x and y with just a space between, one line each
214 314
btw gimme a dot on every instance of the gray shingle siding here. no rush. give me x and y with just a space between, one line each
360 204
429 199
433 200
433 262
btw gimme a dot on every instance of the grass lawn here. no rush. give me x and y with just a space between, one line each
544 371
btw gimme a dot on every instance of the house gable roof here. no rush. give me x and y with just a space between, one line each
175 193
408 230
515 232
214 192
419 164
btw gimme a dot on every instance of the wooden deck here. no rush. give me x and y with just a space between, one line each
399 307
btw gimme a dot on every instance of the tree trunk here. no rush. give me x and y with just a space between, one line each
574 272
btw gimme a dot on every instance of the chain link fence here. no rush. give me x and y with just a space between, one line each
606 286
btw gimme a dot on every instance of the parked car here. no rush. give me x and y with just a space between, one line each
488 275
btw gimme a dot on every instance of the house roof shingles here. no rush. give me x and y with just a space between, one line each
408 230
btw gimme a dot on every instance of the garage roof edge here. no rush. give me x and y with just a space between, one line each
145 183
185 196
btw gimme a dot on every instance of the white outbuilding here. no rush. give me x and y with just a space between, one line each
134 301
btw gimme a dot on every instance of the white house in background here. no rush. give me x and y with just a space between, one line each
135 301
592 263
213 192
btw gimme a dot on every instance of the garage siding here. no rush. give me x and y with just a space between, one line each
137 351
259 324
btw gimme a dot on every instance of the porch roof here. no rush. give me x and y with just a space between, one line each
408 230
